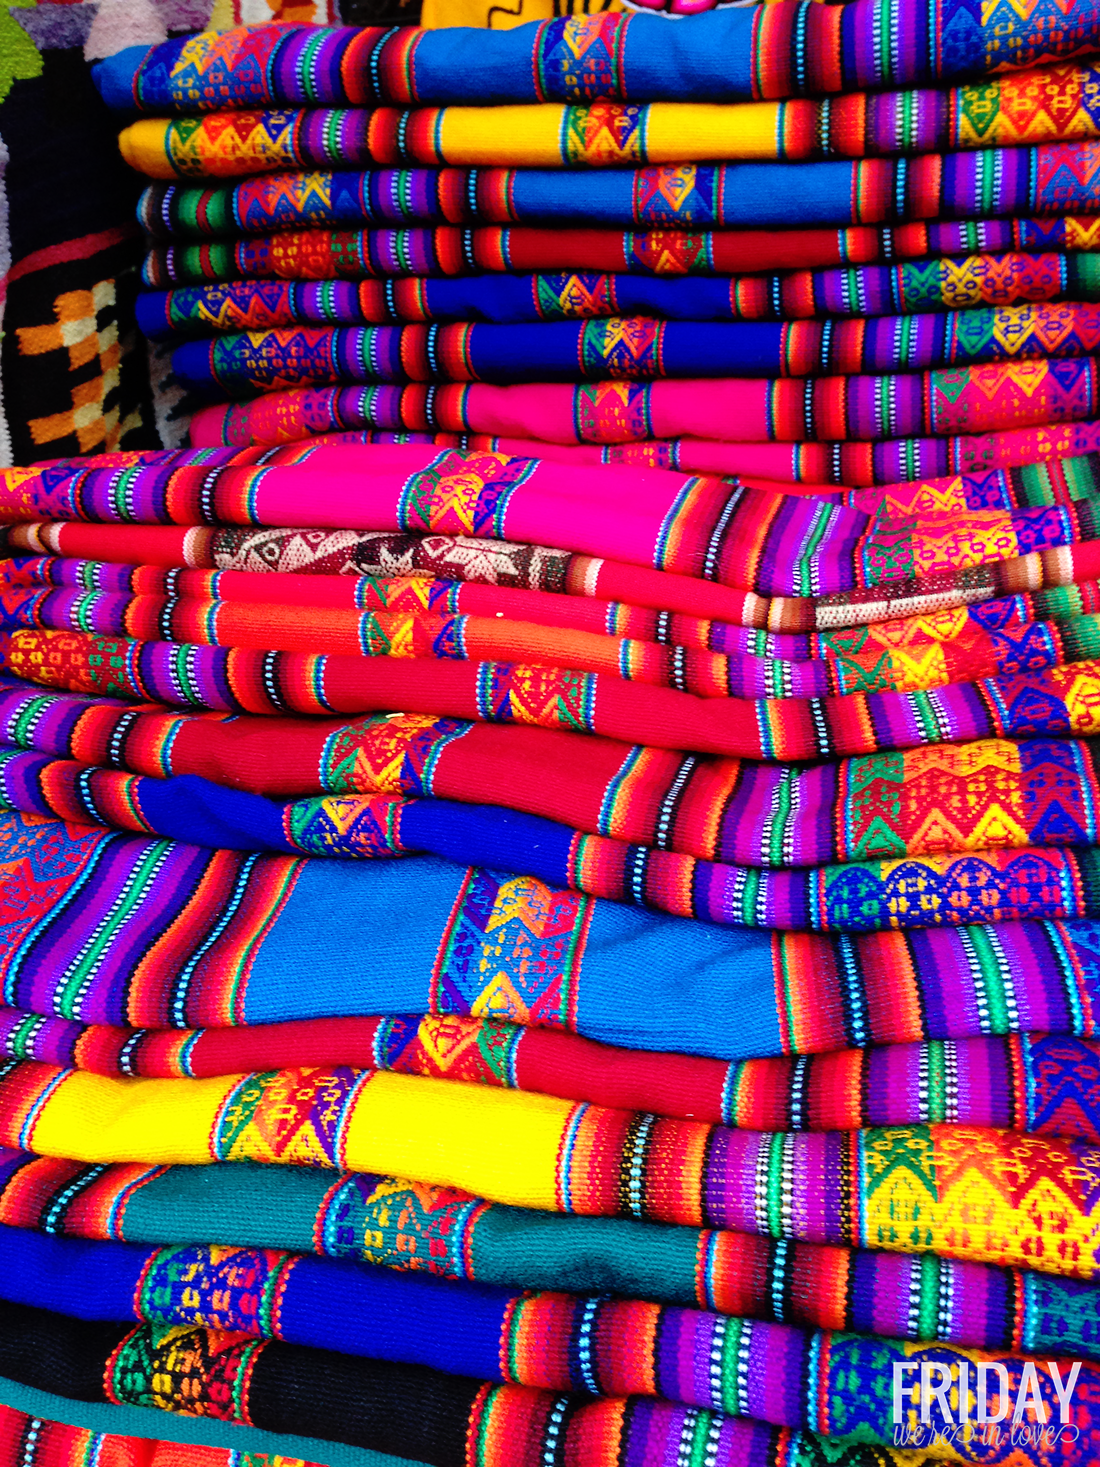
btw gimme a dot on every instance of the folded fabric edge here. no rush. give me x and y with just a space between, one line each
203 1431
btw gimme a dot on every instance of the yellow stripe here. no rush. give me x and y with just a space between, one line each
678 132
528 136
461 1135
142 145
503 137
499 1143
104 1118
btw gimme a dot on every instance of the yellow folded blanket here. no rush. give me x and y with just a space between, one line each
1042 106
959 1191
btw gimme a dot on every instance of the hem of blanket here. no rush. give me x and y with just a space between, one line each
154 1425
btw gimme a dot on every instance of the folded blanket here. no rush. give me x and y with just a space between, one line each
727 57
78 1352
908 656
758 540
28 1439
461 1421
1052 179
630 1347
285 417
1048 480
311 251
409 1226
411 488
381 553
778 466
947 402
240 679
316 586
1053 104
636 348
879 1188
1040 1083
332 602
860 290
869 896
799 468
994 793
300 205
213 938
624 594
150 914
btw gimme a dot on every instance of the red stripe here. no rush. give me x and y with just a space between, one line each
73 249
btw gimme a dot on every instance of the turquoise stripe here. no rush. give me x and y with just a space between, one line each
195 1431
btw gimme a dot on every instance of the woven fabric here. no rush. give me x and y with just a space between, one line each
78 1352
1024 1082
878 652
623 594
461 1422
815 468
964 400
1044 704
881 1188
777 465
778 1004
314 586
111 1424
412 1227
1065 480
330 413
633 1347
635 348
860 290
1050 105
919 654
1052 179
382 554
37 1443
287 237
991 885
291 240
427 936
725 57
989 794
73 373
443 492
755 539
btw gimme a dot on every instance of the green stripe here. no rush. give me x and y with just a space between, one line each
928 1308
821 526
20 1040
696 1440
782 814
937 1085
926 716
1080 474
774 1186
182 671
991 980
731 1352
753 878
111 925
28 716
1084 273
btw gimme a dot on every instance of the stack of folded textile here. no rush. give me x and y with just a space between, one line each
715 1079
668 243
